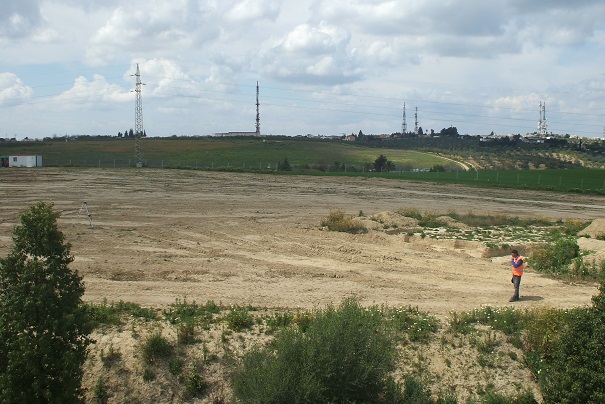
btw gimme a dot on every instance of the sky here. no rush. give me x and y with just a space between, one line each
323 67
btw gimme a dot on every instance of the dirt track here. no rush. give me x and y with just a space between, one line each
255 239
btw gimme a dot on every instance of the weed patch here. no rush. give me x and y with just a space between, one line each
337 220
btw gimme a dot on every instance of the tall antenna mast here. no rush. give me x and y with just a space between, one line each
257 112
138 121
416 121
404 125
544 131
540 119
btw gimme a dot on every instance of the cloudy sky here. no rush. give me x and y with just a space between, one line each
324 67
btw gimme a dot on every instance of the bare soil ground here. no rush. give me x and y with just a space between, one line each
252 239
256 239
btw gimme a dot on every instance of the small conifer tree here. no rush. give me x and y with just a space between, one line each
43 325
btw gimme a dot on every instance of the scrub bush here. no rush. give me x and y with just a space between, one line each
555 257
344 355
575 371
156 346
337 220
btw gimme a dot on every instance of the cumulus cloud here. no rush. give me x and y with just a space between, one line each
160 28
90 5
311 53
251 10
470 28
499 53
19 19
163 78
12 90
97 90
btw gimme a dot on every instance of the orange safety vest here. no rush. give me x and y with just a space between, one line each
519 270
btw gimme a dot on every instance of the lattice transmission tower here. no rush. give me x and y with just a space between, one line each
257 112
404 125
138 120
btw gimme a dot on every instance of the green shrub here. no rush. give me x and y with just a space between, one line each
505 319
337 220
431 221
575 372
114 313
344 356
183 312
279 320
572 227
175 366
156 346
239 319
100 391
185 332
414 391
526 397
417 326
194 385
148 375
103 314
410 212
543 328
303 319
556 256
111 357
587 270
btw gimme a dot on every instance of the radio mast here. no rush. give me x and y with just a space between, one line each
542 127
416 121
404 125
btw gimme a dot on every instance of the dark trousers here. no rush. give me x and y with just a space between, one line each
516 283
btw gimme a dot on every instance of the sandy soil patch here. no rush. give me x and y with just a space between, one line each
255 239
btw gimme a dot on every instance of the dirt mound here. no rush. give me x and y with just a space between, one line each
595 229
451 222
395 221
595 249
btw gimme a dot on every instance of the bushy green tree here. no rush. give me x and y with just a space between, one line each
343 356
380 163
576 371
43 325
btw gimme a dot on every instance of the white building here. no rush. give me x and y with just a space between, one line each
34 160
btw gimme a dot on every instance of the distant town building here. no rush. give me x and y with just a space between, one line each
227 134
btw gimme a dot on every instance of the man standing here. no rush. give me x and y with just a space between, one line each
517 267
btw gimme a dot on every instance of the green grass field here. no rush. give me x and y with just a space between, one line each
578 180
217 153
310 157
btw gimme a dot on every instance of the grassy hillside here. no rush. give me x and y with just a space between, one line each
528 169
218 152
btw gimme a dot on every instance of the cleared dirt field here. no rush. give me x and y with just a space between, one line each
255 239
